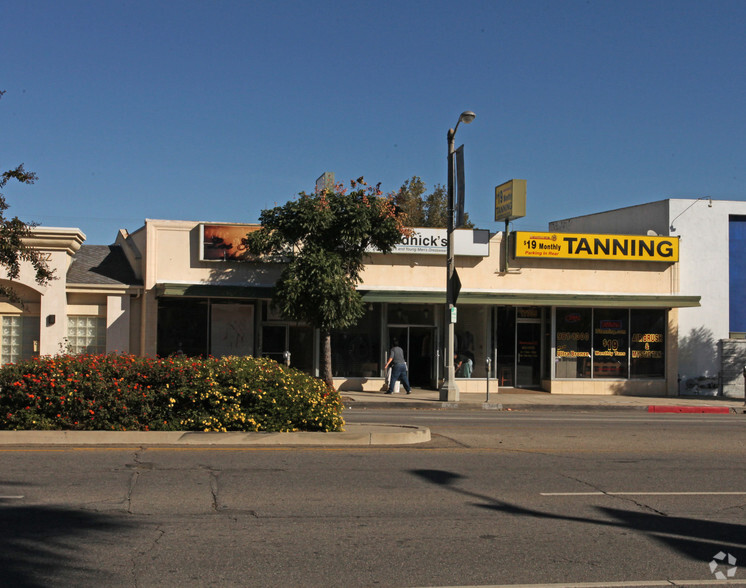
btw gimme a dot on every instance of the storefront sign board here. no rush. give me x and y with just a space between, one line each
591 246
510 200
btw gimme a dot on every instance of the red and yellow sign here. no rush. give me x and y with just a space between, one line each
589 246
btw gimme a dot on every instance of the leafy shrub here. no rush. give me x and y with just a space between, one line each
126 392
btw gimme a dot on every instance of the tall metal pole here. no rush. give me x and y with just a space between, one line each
449 391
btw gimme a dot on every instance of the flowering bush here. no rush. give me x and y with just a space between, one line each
126 392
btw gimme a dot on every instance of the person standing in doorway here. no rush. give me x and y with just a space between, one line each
398 368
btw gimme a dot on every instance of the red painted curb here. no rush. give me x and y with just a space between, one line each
691 409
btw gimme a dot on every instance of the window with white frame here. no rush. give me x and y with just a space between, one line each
86 334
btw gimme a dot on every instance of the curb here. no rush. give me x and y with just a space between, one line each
692 409
355 434
497 406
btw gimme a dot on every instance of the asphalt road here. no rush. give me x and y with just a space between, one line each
493 499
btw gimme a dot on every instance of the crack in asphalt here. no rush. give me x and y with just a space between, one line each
617 496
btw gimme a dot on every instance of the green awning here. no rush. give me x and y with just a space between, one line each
213 291
465 297
537 299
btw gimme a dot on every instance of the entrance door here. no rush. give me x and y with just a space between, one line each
528 354
418 344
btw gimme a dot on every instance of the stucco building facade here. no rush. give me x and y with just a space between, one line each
564 325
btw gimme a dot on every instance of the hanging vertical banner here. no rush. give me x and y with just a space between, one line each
461 187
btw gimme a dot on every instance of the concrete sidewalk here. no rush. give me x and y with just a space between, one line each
522 399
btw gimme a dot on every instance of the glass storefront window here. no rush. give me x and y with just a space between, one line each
648 344
573 343
409 314
505 344
610 342
472 337
182 326
625 343
356 350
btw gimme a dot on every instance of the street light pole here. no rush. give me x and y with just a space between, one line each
449 392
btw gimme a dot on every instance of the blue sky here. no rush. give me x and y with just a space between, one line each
215 110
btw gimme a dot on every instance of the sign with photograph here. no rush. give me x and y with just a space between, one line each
224 242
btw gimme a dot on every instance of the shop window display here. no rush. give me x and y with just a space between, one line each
648 344
610 342
573 343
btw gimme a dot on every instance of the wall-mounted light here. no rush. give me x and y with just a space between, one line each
51 319
709 205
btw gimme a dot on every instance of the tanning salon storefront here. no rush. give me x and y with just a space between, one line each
563 313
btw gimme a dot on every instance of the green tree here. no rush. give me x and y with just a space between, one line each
410 199
13 234
422 209
323 239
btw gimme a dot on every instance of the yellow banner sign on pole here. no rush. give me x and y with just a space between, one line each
590 246
510 200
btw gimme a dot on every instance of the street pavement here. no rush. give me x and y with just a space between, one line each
361 434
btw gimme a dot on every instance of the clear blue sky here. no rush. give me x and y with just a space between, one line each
213 110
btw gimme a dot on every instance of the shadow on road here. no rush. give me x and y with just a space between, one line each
39 544
694 538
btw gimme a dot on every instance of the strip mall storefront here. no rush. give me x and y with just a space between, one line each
561 312
598 316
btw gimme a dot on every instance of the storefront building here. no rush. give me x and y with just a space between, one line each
712 237
580 324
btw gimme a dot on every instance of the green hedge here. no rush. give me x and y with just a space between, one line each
126 392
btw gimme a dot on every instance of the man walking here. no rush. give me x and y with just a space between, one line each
398 369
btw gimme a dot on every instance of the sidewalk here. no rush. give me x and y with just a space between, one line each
521 399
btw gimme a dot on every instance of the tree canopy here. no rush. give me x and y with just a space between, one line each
425 209
13 232
323 238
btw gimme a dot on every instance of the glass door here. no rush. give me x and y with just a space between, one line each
528 354
418 344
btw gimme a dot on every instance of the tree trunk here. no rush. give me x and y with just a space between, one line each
326 372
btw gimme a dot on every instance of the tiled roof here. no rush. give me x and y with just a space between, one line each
101 265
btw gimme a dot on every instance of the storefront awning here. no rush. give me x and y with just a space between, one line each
213 291
438 297
537 299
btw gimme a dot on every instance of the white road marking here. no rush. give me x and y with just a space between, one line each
631 584
642 493
11 497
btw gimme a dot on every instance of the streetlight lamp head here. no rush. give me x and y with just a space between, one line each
467 116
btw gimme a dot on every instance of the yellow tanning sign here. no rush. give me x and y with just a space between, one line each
510 200
587 246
